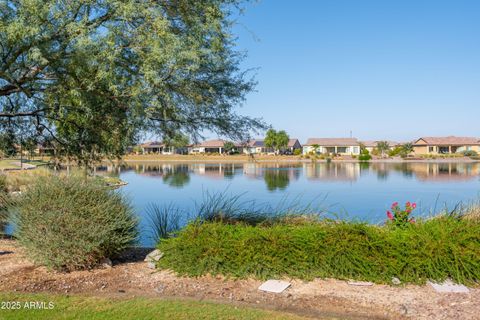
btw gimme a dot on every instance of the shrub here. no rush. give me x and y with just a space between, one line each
401 218
72 223
435 249
297 152
470 153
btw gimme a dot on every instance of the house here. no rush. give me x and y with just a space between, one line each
372 144
211 146
341 146
257 146
445 145
294 144
156 147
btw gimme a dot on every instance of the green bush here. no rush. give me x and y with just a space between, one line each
297 152
72 223
433 249
470 153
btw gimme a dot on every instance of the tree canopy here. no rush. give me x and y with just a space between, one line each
92 75
276 139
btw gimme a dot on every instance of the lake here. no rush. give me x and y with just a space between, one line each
348 190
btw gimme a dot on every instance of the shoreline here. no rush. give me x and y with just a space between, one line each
238 159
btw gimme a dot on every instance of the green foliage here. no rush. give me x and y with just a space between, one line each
4 202
276 140
297 152
470 153
96 74
436 249
229 147
163 220
68 223
178 140
364 155
7 144
383 147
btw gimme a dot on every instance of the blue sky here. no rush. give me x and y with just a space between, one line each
383 69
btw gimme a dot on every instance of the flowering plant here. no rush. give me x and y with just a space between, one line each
401 217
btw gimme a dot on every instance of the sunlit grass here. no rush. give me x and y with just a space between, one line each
78 308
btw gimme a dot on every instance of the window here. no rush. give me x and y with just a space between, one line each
431 149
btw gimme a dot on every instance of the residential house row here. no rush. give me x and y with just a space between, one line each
340 146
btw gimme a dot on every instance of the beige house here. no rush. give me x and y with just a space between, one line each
341 146
445 145
370 145
257 146
212 146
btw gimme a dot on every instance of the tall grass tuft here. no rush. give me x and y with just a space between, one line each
69 223
230 209
163 221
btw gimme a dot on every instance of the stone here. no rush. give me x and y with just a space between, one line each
360 283
106 262
396 281
151 265
448 286
154 256
275 286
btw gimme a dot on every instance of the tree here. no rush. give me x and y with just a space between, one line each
7 144
93 75
407 148
276 140
383 147
282 140
229 147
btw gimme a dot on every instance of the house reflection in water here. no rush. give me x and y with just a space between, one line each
447 171
277 176
335 171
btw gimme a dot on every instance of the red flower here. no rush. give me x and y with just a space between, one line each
395 204
389 215
408 204
414 205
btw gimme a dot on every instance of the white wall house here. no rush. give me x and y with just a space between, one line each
341 146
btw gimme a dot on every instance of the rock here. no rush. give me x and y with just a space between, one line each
106 263
448 287
275 286
151 265
396 281
160 289
154 256
360 283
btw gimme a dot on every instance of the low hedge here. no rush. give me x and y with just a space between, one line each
68 223
433 249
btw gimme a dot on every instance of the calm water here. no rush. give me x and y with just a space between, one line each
350 190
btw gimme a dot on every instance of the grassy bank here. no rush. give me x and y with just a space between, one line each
439 248
76 307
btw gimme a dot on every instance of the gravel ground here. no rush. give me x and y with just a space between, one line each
130 277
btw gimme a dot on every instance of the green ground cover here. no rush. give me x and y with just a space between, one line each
438 248
78 308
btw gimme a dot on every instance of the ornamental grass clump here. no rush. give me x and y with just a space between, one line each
68 223
447 246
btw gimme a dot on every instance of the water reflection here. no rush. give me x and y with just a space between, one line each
279 176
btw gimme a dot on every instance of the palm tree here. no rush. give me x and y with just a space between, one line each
383 147
407 148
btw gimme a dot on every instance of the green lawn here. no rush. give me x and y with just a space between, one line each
77 307
7 164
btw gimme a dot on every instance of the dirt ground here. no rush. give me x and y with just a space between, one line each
131 277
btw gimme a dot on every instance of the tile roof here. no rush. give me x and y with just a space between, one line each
450 140
373 143
332 142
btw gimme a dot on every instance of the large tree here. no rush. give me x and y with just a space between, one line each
93 74
278 140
